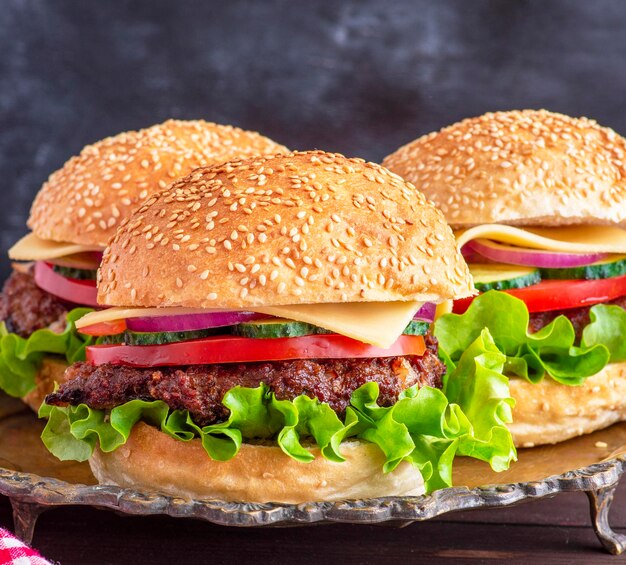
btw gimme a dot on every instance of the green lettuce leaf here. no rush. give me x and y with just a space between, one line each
423 427
20 358
550 351
607 327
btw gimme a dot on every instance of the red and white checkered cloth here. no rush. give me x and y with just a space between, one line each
15 552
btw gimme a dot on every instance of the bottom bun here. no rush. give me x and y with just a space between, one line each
549 412
52 371
258 473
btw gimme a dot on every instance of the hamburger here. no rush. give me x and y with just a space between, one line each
267 338
72 218
538 204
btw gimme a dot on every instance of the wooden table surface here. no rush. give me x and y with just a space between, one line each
554 530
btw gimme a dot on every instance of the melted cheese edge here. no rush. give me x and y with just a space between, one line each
33 248
376 323
572 239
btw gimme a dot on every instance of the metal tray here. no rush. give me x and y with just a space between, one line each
35 481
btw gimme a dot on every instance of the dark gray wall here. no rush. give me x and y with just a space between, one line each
357 76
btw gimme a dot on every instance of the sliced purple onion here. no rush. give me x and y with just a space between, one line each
190 322
426 313
472 256
531 257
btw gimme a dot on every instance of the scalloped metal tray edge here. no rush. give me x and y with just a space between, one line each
32 489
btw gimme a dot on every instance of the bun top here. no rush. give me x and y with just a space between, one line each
85 201
529 167
298 228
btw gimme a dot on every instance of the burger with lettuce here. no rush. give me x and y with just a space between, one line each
268 338
538 203
72 218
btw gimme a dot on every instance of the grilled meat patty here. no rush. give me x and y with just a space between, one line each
200 388
578 316
24 307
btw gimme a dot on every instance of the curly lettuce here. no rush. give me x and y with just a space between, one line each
551 351
423 427
20 357
607 327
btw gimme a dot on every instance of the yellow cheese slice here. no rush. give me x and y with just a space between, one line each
113 314
444 308
573 239
377 323
33 248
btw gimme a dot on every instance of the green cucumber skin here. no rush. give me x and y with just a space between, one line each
507 284
416 327
249 330
587 272
158 338
299 329
277 330
72 273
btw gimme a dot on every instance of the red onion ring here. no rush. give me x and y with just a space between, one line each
190 322
531 257
426 313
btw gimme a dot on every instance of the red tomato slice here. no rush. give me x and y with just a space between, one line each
72 290
105 328
560 295
230 349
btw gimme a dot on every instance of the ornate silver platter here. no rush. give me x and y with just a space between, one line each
34 481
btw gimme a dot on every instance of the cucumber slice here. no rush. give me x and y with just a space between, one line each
159 338
73 273
614 266
503 277
276 327
416 327
259 329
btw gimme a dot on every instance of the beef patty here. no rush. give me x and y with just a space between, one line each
24 307
200 388
578 316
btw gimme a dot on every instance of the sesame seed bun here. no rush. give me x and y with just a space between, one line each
85 201
298 228
50 372
529 167
153 460
549 412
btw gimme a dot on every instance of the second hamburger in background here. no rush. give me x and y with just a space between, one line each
538 202
72 218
